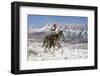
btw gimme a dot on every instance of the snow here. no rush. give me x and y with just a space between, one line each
74 44
37 52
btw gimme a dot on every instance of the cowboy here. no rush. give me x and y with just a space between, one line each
54 29
54 32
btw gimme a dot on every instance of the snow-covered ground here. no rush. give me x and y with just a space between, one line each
70 51
74 44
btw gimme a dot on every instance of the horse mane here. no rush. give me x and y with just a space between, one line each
60 34
49 39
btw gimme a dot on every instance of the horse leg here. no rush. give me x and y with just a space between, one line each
59 46
53 46
50 51
62 49
46 49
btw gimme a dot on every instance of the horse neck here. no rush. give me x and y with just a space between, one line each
59 34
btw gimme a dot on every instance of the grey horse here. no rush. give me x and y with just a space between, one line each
51 41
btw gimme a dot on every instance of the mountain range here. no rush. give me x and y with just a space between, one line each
74 33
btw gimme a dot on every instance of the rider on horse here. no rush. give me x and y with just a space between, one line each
53 35
53 39
54 29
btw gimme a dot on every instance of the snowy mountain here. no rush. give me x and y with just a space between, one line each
46 28
32 29
75 33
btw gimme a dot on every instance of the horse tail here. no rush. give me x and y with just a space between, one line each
44 41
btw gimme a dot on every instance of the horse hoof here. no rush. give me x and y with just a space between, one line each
45 51
62 53
65 58
53 55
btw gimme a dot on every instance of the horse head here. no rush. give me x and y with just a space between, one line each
61 35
